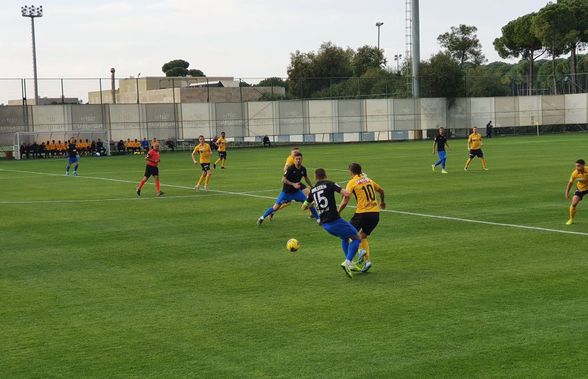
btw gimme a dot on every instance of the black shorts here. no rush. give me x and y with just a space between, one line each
222 154
205 166
580 194
476 153
151 170
365 222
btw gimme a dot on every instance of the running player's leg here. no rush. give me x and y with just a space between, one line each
207 180
575 201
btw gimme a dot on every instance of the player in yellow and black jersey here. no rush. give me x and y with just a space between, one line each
221 144
367 212
474 145
204 152
580 176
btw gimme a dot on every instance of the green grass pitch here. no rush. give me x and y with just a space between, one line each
97 283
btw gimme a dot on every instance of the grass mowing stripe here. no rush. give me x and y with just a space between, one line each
253 194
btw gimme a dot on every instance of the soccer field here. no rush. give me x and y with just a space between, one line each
475 273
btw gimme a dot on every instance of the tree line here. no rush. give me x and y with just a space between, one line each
547 43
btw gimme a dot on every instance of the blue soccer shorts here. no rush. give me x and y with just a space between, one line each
340 228
284 197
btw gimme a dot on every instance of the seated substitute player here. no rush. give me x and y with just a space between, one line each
580 176
292 189
440 143
474 145
367 212
323 196
73 157
152 169
204 152
221 144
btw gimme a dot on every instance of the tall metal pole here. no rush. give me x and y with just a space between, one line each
416 49
32 12
378 24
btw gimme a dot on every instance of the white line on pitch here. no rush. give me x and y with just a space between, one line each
75 201
458 219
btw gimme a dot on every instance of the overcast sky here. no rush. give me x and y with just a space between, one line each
240 38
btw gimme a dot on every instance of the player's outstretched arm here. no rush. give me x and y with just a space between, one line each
344 201
380 190
568 188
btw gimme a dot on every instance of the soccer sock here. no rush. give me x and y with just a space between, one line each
572 212
345 245
216 162
314 213
223 163
76 167
268 212
157 186
206 180
483 162
142 183
200 181
366 246
352 249
67 168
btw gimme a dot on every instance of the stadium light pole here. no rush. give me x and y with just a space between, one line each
33 12
378 24
397 58
416 49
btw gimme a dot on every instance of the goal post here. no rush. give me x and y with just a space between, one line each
30 138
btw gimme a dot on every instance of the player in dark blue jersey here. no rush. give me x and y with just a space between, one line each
440 142
292 190
322 195
73 157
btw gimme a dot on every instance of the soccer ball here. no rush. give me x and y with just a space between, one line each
292 245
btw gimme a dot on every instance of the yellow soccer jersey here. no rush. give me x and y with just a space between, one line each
364 190
475 141
581 179
222 144
204 152
290 160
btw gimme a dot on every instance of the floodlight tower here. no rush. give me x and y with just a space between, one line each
416 49
33 12
378 24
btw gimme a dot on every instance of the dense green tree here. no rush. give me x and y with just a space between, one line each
551 26
441 76
518 40
273 82
179 67
463 44
311 72
576 36
367 57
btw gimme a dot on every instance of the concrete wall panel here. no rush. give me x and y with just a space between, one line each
553 110
261 118
350 116
378 115
433 113
291 115
506 109
481 111
405 113
529 110
49 118
196 120
576 108
320 116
